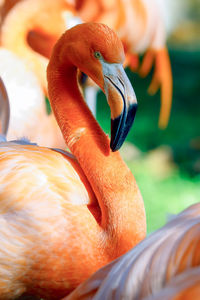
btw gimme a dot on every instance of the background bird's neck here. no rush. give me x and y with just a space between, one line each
121 205
14 38
25 17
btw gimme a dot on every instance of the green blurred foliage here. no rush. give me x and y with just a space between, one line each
164 196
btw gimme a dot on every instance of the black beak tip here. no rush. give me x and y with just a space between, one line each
114 147
121 126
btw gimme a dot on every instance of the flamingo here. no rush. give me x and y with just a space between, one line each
165 265
140 26
63 216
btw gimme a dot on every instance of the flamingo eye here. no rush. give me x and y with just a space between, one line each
97 54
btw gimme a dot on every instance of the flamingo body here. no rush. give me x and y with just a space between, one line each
51 207
63 217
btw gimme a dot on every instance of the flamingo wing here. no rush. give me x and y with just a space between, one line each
41 196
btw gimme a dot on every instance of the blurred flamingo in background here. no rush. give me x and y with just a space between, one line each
28 109
64 216
139 24
165 265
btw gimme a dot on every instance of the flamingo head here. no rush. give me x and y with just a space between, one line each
97 51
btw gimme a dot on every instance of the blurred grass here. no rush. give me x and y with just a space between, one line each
169 194
164 197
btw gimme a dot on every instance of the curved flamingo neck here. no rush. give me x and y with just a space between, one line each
122 210
72 113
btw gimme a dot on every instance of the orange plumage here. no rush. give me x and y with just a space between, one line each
62 217
165 265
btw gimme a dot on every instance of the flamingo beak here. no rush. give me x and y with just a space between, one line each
122 101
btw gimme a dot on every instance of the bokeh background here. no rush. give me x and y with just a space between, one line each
166 163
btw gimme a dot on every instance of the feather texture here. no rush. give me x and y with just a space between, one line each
166 265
